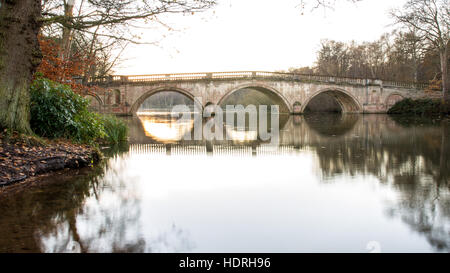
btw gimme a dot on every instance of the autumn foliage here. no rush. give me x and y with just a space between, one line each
55 68
434 85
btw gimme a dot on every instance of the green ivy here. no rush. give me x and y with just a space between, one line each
58 112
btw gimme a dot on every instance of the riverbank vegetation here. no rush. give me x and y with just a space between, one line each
66 135
116 130
419 107
58 112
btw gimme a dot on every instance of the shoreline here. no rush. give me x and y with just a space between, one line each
24 159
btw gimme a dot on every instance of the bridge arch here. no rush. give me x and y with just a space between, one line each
143 97
260 87
348 102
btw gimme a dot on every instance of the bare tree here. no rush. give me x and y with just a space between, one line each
99 28
113 14
67 32
315 4
431 19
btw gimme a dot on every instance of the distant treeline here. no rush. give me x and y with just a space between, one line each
166 101
397 56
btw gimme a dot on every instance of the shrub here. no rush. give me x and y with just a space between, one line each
420 107
115 129
58 112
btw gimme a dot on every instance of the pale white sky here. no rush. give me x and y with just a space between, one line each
264 35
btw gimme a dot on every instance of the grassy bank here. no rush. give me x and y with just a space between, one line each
116 131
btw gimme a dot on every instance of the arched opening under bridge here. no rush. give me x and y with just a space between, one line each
255 95
333 101
155 111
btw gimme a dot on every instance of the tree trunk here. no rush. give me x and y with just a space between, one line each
66 44
19 57
88 74
444 70
443 162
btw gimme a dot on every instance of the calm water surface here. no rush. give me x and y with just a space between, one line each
335 183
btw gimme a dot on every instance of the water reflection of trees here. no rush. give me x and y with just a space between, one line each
425 207
410 158
37 211
104 225
377 146
92 210
66 215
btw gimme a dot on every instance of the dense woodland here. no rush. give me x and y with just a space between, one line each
166 101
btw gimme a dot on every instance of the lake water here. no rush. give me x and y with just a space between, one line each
334 183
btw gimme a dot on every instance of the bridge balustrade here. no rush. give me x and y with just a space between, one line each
117 79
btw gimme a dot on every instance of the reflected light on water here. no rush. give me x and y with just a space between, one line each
241 136
165 130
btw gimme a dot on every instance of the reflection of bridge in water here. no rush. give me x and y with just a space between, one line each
344 143
221 150
295 131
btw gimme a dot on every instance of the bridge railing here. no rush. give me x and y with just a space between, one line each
406 84
252 75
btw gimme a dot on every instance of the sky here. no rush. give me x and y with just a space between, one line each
262 35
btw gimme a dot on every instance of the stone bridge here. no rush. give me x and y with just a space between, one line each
125 94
